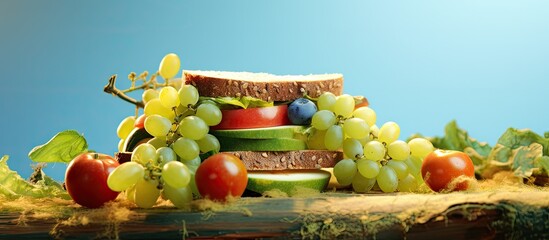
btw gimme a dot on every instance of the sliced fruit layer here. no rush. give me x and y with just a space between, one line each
253 118
136 137
275 144
289 131
290 182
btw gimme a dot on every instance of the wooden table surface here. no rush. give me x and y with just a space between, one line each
520 214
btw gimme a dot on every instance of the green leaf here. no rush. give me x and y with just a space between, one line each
543 162
13 186
241 102
458 139
521 160
519 150
514 138
63 147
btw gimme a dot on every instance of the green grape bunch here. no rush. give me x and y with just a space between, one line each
374 156
179 125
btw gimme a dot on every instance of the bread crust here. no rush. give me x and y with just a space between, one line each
291 88
288 160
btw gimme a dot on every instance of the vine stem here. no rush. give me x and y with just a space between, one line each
111 89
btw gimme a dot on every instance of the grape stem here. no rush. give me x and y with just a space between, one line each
111 89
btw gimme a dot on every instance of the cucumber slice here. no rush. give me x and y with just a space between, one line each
275 144
288 131
290 182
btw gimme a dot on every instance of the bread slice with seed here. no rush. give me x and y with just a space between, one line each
264 86
288 160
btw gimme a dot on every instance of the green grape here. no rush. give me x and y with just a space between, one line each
176 83
407 184
193 127
149 95
186 149
146 193
344 105
414 164
398 150
192 184
210 113
165 155
176 174
209 143
374 150
362 184
179 197
367 168
323 119
130 194
367 114
387 179
326 101
419 178
188 95
158 142
125 176
155 107
157 125
169 97
316 140
401 169
352 148
333 138
420 147
192 164
345 171
389 132
144 153
356 128
169 66
125 127
121 145
364 140
374 130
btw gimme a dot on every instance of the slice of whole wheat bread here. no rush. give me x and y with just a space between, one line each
302 159
264 86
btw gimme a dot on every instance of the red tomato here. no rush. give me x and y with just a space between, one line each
140 121
220 176
86 179
440 167
253 118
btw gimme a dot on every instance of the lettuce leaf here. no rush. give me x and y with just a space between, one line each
240 102
521 151
13 186
63 147
458 139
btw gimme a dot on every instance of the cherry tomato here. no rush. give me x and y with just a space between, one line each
86 179
440 167
220 176
140 121
253 118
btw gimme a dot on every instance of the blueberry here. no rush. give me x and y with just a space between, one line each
301 111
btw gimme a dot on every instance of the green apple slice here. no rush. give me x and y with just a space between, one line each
290 182
289 131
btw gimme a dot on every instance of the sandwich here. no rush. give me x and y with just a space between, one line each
257 127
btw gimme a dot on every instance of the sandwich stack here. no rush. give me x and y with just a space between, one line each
263 131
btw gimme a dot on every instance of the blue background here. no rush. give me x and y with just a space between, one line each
420 63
